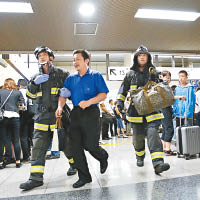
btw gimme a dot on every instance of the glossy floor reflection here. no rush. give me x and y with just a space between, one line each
122 181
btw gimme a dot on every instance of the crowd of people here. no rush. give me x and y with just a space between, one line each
29 111
16 125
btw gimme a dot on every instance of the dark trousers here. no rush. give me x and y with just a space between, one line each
41 143
167 123
184 122
2 141
149 130
197 119
26 132
10 128
105 127
113 122
85 133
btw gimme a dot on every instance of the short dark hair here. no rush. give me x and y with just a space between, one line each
83 52
110 100
164 73
22 82
128 98
197 89
184 72
173 87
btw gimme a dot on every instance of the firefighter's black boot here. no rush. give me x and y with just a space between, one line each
140 162
72 170
30 184
161 168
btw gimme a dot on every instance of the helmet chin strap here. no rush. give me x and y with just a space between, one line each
44 63
50 66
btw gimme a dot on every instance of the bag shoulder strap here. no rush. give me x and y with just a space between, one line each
149 83
6 99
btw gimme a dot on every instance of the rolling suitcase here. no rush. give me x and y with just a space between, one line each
187 139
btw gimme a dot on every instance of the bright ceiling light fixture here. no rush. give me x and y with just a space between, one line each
86 9
167 14
15 7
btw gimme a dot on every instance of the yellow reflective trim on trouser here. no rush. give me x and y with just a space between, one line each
133 87
37 166
156 155
154 117
55 90
135 119
42 127
39 94
121 97
71 161
52 127
140 153
33 96
37 169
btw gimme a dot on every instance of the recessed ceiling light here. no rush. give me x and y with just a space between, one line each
167 14
164 56
15 7
193 57
86 9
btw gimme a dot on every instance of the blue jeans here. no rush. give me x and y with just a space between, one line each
120 123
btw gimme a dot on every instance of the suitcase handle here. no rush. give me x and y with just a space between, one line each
185 114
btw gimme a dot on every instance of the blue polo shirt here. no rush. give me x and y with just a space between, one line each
85 87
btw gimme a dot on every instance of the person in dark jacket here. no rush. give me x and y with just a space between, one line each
143 125
10 125
44 88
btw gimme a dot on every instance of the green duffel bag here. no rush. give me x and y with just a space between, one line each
152 97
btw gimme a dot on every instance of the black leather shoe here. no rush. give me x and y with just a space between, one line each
1 166
18 165
71 171
140 162
30 184
80 183
161 168
104 165
106 138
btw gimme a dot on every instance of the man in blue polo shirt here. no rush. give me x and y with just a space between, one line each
87 88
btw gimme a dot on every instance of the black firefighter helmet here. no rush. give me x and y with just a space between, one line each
141 50
40 49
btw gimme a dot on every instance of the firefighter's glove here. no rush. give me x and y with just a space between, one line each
64 92
41 79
